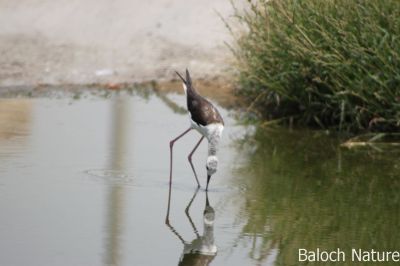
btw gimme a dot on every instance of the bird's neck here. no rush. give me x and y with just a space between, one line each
213 145
208 235
215 134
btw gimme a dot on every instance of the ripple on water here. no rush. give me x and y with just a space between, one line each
211 189
221 189
124 178
117 177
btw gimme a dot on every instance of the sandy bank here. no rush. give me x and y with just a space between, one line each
58 42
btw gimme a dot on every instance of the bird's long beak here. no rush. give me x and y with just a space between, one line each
208 181
183 80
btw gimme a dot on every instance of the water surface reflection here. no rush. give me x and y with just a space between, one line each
85 182
202 249
304 191
120 118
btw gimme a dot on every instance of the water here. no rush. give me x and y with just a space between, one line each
84 181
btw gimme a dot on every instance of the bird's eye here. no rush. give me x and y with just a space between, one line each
207 168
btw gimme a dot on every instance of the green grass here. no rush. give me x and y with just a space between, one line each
330 64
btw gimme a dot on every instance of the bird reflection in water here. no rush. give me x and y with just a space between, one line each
201 250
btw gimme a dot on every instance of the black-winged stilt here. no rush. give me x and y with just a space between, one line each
205 118
202 249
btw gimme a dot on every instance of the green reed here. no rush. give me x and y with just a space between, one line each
330 64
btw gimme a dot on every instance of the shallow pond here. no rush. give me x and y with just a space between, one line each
85 182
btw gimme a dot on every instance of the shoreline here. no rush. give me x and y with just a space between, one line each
219 89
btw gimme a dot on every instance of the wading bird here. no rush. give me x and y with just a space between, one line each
205 118
202 249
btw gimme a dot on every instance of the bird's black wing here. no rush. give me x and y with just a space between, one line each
202 111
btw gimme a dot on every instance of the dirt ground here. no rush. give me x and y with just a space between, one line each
105 41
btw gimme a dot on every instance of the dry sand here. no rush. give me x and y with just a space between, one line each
92 41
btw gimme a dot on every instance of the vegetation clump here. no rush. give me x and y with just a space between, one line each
330 64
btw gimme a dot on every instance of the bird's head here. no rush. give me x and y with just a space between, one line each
211 166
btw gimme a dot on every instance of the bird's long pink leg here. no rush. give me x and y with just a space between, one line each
190 159
171 144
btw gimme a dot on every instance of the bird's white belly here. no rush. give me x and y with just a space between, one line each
201 129
208 130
